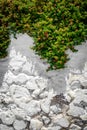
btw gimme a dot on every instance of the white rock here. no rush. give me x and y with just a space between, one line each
67 97
84 117
74 127
85 128
51 94
44 94
85 67
75 111
75 85
21 79
31 84
61 121
9 77
16 61
71 93
44 128
51 114
75 71
19 113
7 117
46 120
54 128
5 127
28 68
42 83
19 125
8 100
15 66
35 124
55 109
45 105
20 95
32 108
36 93
85 74
4 87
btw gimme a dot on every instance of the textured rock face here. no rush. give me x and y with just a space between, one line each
27 103
19 125
4 127
62 121
7 117
75 127
35 124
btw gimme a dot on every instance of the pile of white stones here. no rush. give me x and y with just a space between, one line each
27 104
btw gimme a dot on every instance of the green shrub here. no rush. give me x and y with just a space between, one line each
55 25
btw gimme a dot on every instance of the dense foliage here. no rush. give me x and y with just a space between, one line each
55 25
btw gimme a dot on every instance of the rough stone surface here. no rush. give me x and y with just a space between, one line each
75 111
54 128
19 125
20 95
5 127
61 121
85 128
55 109
46 120
45 105
26 102
7 117
32 108
35 124
31 84
74 127
44 128
84 117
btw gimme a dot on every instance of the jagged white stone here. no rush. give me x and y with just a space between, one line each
75 127
85 128
61 121
31 84
32 108
17 60
19 113
45 105
29 69
9 77
44 94
44 128
20 95
7 117
19 125
51 94
46 120
36 93
75 111
54 128
84 117
55 109
35 124
21 79
41 82
5 127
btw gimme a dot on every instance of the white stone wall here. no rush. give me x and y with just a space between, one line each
27 104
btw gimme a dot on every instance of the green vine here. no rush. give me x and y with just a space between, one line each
55 25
